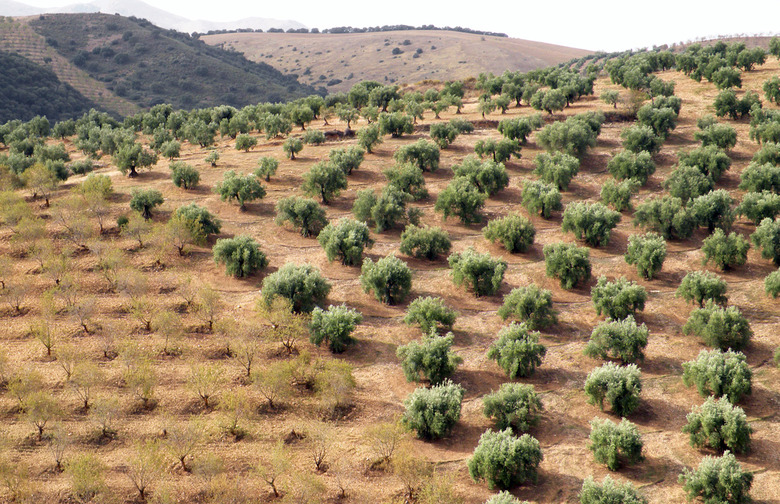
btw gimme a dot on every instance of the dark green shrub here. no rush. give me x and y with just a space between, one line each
433 412
431 314
541 198
727 103
443 134
425 242
530 305
701 286
432 359
407 178
345 240
347 159
620 386
422 153
144 200
640 138
714 210
395 124
517 350
81 167
384 211
514 405
556 169
615 445
647 252
665 215
631 165
305 214
488 176
718 480
719 425
462 199
760 177
184 175
240 255
618 299
571 137
242 188
609 492
722 136
324 179
618 194
520 127
515 232
719 327
591 222
568 263
501 150
504 460
661 120
618 339
390 279
688 182
303 285
292 146
482 273
758 206
767 239
719 373
207 222
335 326
266 167
726 251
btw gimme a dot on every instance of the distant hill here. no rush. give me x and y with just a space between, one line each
146 65
143 10
28 89
338 61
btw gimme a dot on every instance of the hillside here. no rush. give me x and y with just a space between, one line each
338 61
127 319
27 90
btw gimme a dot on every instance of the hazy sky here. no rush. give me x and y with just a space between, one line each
588 24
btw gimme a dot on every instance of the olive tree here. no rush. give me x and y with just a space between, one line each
719 327
618 299
305 214
144 200
499 150
620 386
432 412
632 165
713 210
618 194
615 445
513 405
245 142
431 314
304 286
504 460
390 279
567 262
482 273
722 136
719 373
530 305
665 215
541 198
718 479
432 359
609 492
688 182
767 239
334 326
772 284
488 176
517 350
556 169
719 425
618 339
701 286
515 232
591 222
640 138
324 179
347 159
423 154
760 177
266 166
726 251
425 242
184 175
242 188
647 252
241 255
345 240
758 206
369 137
462 199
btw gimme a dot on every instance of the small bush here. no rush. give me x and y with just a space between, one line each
184 175
632 165
718 479
591 222
504 460
305 214
390 279
530 305
334 325
345 240
431 314
462 199
609 492
482 273
665 215
407 178
618 194
423 154
719 425
433 412
722 136
758 206
514 405
541 198
719 327
701 286
556 169
640 138
772 284
688 182
618 299
517 350
266 167
240 255
726 251
615 445
515 232
431 360
619 385
767 239
425 242
488 176
81 167
568 263
618 339
719 373
647 252
304 286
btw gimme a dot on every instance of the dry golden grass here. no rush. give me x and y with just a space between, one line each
354 57
381 388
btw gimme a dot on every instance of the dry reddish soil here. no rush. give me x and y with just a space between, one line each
381 388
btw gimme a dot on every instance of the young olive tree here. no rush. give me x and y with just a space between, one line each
592 222
504 460
556 169
568 263
726 251
647 252
433 412
305 214
304 286
488 176
345 240
266 166
719 425
620 386
718 479
432 359
144 200
702 286
615 445
609 492
324 179
767 239
541 198
424 154
665 215
618 299
242 188
632 165
514 231
719 373
482 273
514 405
517 350
462 199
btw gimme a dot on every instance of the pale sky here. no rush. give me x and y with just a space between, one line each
588 24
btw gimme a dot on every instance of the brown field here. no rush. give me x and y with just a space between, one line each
354 57
381 388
